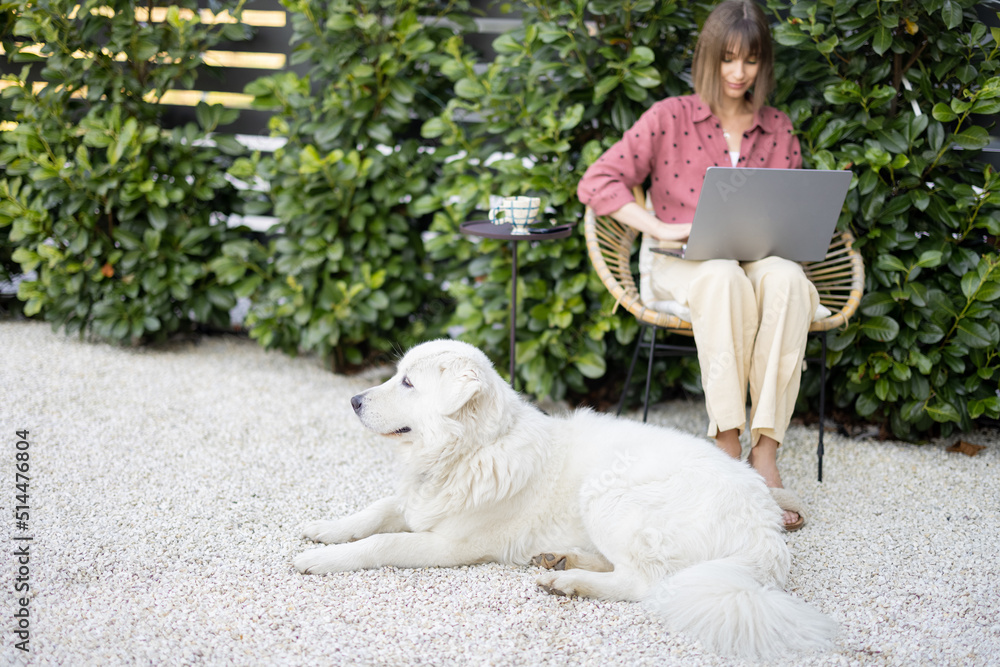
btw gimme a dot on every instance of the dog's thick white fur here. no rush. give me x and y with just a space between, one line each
618 509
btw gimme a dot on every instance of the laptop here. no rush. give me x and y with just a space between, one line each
749 214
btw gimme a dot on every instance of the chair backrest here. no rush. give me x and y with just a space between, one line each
839 277
609 245
840 280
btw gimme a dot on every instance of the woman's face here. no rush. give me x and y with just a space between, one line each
739 71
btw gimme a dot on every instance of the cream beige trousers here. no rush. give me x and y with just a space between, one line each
750 323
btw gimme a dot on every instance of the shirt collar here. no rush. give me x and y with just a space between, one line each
701 111
763 120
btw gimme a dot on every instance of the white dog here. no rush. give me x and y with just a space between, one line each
613 508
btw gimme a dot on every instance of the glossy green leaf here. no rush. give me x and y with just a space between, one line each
880 328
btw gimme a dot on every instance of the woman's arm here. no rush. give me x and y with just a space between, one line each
637 217
607 184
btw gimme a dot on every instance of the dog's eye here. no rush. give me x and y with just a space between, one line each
406 382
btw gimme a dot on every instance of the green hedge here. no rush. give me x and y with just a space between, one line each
562 88
891 90
9 269
399 133
111 212
345 273
899 93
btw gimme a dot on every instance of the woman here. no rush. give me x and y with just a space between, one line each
750 320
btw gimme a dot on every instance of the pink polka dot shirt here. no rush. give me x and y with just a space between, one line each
672 144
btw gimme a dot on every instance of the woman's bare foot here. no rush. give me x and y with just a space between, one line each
764 459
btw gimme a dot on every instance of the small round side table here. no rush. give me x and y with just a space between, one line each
487 229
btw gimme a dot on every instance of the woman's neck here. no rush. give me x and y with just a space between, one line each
728 108
736 117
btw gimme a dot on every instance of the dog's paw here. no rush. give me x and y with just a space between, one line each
317 561
550 561
327 532
556 583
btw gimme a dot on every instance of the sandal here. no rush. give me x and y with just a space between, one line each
789 502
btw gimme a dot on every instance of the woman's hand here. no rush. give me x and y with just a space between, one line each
637 217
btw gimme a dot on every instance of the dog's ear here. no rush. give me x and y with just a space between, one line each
464 382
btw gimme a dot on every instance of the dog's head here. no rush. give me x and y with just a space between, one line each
438 387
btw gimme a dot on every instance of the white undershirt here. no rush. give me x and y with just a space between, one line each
734 156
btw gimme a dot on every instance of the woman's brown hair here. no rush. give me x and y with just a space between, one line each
734 26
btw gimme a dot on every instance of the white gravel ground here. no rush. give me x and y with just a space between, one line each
167 488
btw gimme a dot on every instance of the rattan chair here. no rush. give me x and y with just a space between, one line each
839 278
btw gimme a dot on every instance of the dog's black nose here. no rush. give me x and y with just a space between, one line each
356 403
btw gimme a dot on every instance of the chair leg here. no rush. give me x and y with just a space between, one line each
649 373
822 410
631 367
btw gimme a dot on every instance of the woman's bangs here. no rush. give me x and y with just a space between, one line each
743 40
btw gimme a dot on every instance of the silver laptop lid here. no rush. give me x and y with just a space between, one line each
748 214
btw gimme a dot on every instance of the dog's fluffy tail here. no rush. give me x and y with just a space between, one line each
721 604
